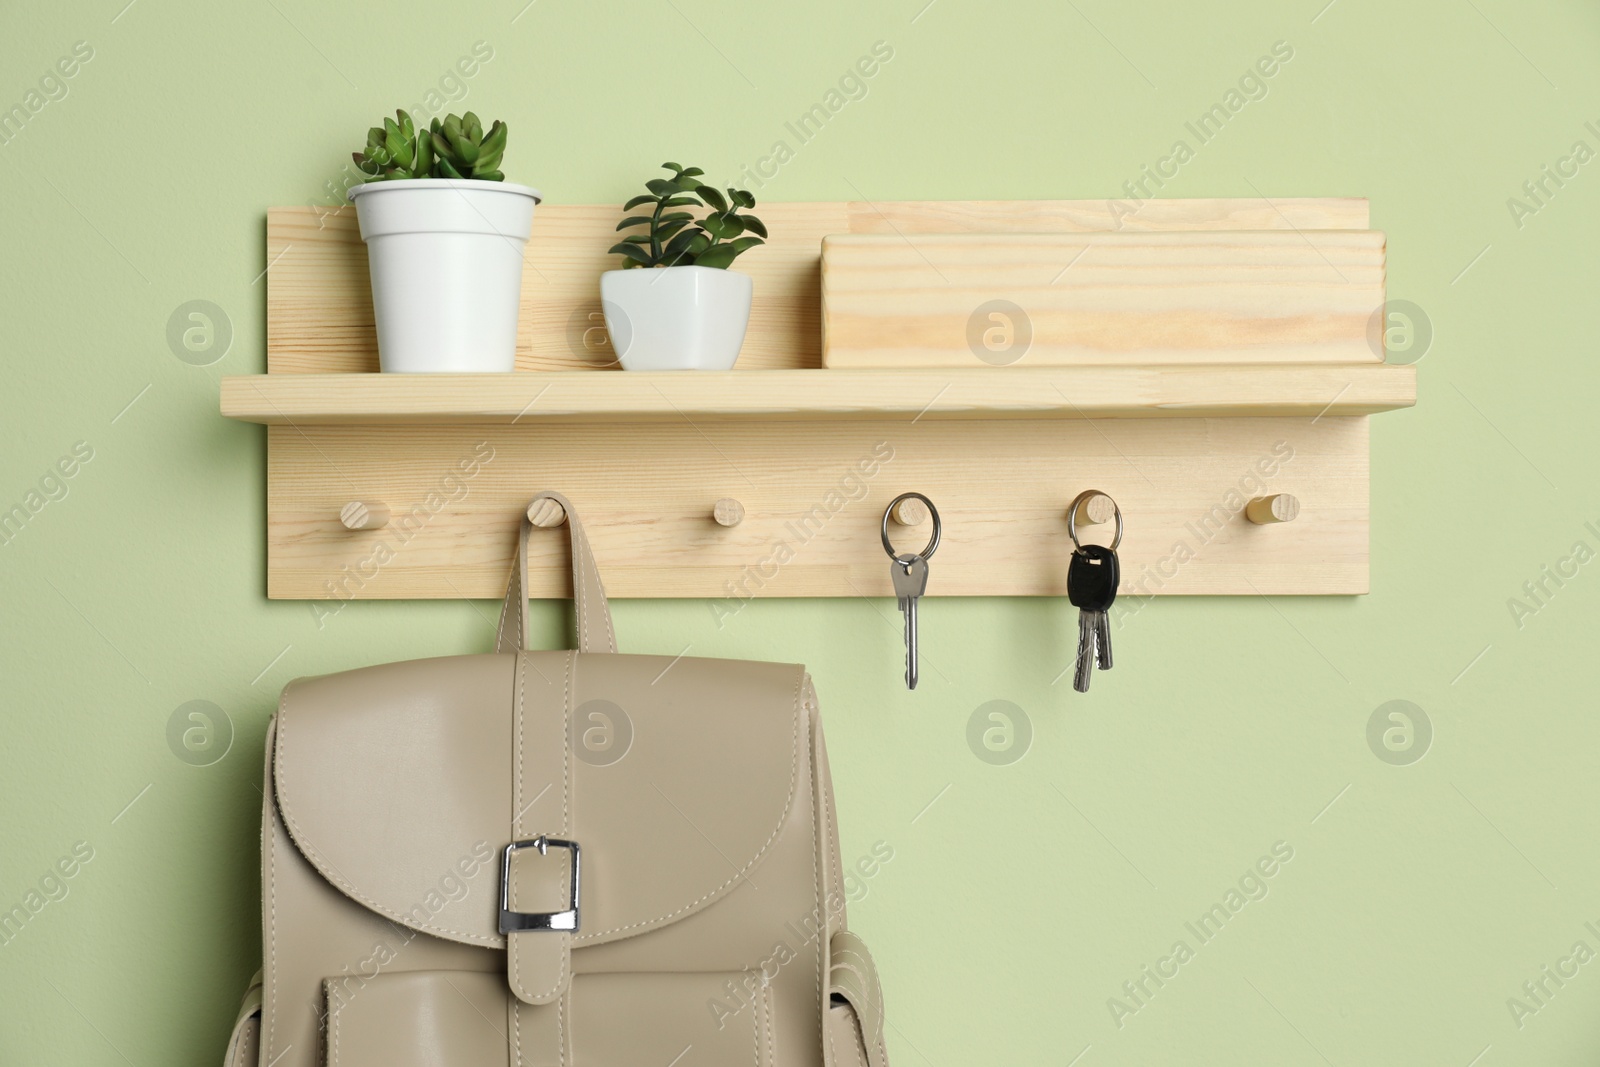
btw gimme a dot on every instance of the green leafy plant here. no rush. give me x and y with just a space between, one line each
675 238
456 147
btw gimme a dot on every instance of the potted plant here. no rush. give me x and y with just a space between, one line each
445 233
690 311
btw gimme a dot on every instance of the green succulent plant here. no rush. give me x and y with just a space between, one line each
462 150
675 238
455 147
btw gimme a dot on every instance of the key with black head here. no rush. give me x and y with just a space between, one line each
1092 579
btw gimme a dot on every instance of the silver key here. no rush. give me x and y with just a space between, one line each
910 576
1088 643
1102 640
909 573
1094 647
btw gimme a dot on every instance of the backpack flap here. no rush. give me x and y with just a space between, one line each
673 779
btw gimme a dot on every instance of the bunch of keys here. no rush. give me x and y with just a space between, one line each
1092 579
909 572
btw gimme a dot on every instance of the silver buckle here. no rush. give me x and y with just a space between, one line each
515 921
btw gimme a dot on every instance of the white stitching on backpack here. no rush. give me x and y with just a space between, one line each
794 771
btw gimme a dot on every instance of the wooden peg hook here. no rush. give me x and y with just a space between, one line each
1264 510
910 512
546 514
727 512
364 515
1095 510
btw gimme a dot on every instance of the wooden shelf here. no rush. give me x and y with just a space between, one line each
387 486
1197 391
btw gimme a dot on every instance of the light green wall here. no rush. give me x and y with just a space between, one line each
1027 894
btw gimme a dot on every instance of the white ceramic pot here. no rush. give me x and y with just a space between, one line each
446 264
676 318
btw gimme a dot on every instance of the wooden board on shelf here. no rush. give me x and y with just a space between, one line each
813 495
801 395
319 302
966 300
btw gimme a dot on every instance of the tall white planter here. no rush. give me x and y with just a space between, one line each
446 264
676 318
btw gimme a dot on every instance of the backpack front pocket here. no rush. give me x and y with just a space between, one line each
470 1019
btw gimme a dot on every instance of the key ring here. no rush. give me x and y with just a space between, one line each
1072 518
933 544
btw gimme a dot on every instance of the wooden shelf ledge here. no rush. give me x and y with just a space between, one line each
1197 391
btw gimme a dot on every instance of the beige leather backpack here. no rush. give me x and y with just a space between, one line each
554 858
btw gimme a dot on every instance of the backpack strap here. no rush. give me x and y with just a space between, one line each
540 893
853 980
595 633
244 1046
